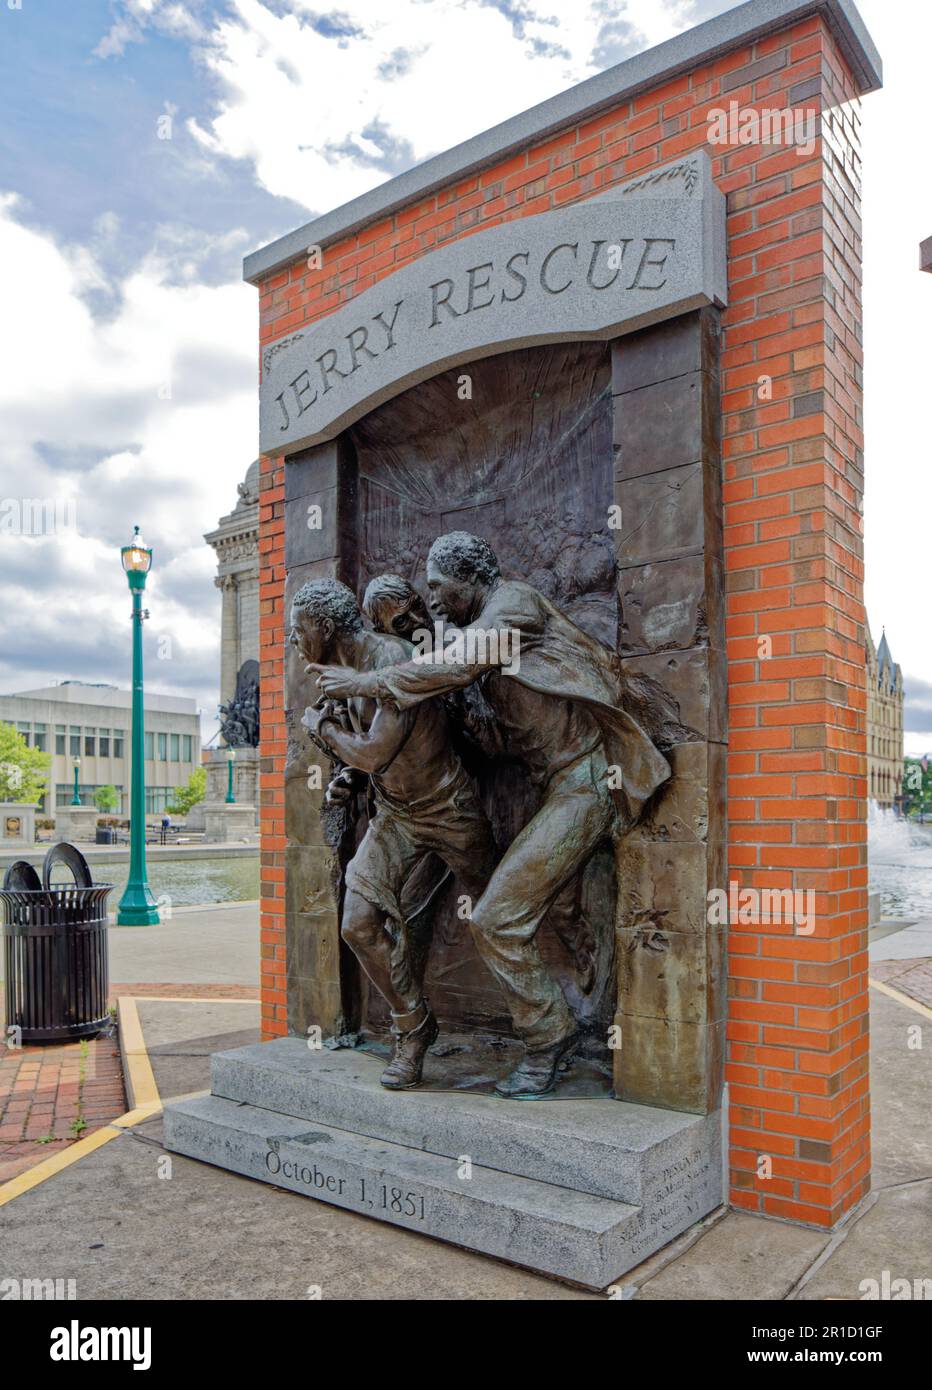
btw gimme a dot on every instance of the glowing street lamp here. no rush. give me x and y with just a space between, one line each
231 757
76 798
137 906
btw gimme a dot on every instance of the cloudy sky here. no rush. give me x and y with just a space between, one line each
146 145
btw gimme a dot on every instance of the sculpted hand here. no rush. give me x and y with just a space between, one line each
341 790
342 682
315 715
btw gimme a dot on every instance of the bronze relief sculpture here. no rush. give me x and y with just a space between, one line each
559 705
425 805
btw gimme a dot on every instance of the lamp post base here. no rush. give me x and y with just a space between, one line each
138 907
225 823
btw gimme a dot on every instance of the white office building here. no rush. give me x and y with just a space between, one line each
89 725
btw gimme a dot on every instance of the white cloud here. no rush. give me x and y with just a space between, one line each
316 111
134 17
146 415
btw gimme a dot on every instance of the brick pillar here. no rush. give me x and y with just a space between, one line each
798 1015
792 482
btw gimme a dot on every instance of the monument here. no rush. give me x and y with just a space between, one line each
494 748
236 542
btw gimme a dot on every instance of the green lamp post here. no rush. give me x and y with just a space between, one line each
137 906
231 756
76 798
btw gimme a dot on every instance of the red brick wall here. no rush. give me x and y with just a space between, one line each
797 1030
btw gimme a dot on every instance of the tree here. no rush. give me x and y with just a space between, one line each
24 771
106 798
917 784
183 798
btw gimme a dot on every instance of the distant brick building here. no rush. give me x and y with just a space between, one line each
884 723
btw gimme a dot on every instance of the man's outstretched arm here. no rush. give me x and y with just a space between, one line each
401 686
413 681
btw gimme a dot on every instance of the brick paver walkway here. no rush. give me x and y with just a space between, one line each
51 1096
176 991
912 977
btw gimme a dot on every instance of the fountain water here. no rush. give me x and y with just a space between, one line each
899 857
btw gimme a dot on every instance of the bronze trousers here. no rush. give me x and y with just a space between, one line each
575 815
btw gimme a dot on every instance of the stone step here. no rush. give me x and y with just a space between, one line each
553 1230
661 1159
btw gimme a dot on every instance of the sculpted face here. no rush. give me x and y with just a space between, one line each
312 639
457 600
403 618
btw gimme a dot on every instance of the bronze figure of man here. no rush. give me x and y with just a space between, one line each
393 605
561 710
425 804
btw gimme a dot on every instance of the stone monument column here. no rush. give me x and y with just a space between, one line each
236 543
229 644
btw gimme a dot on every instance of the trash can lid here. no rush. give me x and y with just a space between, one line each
70 858
21 874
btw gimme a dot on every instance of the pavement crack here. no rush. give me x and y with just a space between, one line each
898 1186
145 1139
838 1239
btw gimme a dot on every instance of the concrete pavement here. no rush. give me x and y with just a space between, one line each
131 1221
128 1220
195 945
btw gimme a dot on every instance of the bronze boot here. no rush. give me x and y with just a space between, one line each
536 1075
414 1033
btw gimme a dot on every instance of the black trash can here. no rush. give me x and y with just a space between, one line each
55 960
104 835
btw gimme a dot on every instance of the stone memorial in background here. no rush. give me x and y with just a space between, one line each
236 543
76 823
17 825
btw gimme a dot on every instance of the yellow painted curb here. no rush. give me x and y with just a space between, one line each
50 1166
141 1090
913 1004
137 1115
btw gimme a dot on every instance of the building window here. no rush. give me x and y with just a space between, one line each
103 736
60 740
90 743
186 747
74 739
163 748
38 737
150 747
118 743
175 747
26 731
157 799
